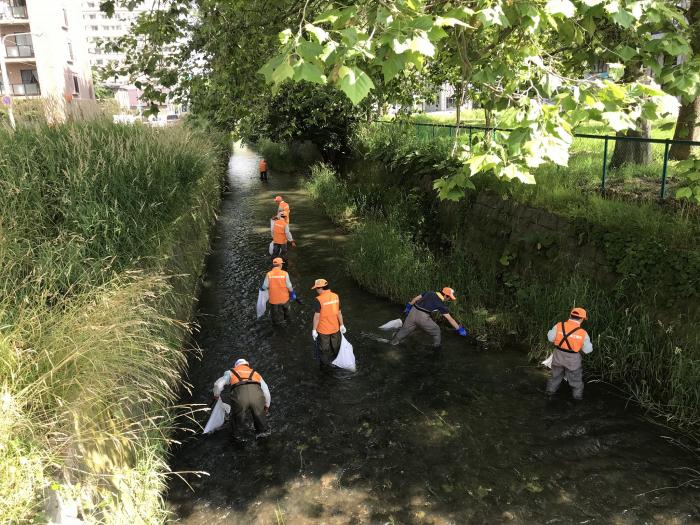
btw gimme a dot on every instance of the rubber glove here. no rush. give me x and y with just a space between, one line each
343 329
408 308
262 289
462 331
293 295
314 334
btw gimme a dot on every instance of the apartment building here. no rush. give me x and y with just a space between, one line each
44 50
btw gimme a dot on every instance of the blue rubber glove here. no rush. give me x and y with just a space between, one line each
408 308
462 331
262 289
293 295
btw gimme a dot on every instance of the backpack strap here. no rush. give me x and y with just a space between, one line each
566 338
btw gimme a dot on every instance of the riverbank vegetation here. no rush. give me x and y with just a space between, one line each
403 240
103 231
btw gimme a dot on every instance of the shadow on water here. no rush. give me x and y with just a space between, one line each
461 436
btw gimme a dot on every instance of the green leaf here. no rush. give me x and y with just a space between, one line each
422 44
618 120
282 72
309 72
592 3
550 83
355 83
423 23
392 65
479 163
437 33
684 193
328 16
284 36
320 34
621 16
449 22
616 71
626 52
512 171
493 16
271 65
310 50
560 7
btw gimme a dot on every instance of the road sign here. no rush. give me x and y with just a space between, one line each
6 101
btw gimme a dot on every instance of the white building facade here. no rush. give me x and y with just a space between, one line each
44 50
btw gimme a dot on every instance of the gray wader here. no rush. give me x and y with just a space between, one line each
566 364
328 346
245 398
418 319
280 312
279 250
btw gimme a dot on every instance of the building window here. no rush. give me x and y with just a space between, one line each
70 52
65 17
91 4
76 85
94 28
92 17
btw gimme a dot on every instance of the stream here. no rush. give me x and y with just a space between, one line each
414 436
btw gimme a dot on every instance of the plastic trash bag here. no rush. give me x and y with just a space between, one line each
396 324
346 357
263 296
548 362
271 248
218 416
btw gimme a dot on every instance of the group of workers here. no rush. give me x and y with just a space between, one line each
249 392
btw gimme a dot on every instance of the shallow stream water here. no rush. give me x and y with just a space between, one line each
460 436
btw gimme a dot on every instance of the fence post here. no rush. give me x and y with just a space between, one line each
665 170
470 137
605 165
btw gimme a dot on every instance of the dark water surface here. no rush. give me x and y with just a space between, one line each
464 436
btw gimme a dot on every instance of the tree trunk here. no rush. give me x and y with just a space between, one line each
632 152
687 128
688 122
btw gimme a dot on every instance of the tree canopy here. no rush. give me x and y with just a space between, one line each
537 59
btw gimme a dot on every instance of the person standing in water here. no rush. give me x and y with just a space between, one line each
569 340
262 166
283 207
281 291
279 229
328 324
419 311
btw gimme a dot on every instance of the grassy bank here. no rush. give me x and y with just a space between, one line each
103 231
397 249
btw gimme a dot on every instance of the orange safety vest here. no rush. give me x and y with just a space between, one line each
244 375
570 336
278 235
328 318
277 282
263 165
283 206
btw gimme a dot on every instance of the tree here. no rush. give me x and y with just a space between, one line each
527 56
688 123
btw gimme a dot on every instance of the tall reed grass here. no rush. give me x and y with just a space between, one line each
103 231
656 364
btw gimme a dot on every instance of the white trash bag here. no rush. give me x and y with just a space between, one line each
396 324
263 297
346 358
548 362
218 416
271 248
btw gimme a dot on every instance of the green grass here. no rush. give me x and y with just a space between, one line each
103 230
650 358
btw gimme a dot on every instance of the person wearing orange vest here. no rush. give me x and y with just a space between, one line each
419 312
328 323
279 228
263 170
281 290
283 207
249 393
569 340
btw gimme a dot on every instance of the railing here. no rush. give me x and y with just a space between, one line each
28 90
19 51
13 12
434 130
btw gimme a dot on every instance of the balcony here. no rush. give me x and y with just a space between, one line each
30 89
10 12
26 90
19 51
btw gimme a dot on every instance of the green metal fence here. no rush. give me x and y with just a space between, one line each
588 153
